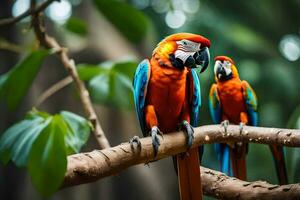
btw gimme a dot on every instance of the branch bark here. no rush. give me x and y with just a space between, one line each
69 64
37 9
89 167
220 186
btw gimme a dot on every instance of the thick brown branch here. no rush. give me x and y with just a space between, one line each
69 64
220 186
37 9
88 167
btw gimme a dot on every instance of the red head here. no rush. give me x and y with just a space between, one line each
223 58
184 50
224 68
188 36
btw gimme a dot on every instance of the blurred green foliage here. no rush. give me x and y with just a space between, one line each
110 83
131 22
77 26
15 83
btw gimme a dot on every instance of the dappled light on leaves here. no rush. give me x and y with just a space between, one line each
175 19
60 12
19 7
289 46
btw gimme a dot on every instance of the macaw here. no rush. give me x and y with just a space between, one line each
167 98
232 100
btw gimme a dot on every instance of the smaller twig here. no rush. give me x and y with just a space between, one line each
37 9
53 89
69 64
6 45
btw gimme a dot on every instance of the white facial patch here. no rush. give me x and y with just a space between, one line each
217 65
226 65
182 55
186 48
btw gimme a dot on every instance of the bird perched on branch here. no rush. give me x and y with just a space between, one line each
232 100
167 98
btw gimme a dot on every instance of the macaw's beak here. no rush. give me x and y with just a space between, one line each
222 75
202 58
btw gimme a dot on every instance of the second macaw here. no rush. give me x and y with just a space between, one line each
167 97
232 100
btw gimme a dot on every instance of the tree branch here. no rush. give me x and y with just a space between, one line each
220 186
37 9
69 64
89 167
53 89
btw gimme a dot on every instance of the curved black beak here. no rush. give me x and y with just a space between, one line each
202 58
221 74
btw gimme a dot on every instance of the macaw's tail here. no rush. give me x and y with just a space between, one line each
279 160
238 160
189 176
223 152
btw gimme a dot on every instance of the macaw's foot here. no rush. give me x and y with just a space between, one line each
225 125
155 140
189 130
241 127
135 142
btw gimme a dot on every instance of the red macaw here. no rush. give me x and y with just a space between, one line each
232 100
167 96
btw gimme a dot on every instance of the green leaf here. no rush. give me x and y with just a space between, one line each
78 131
110 83
15 83
48 158
16 142
77 26
41 142
129 21
87 72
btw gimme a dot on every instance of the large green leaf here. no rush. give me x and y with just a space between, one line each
41 142
77 133
15 83
129 21
87 72
77 26
48 158
16 142
110 83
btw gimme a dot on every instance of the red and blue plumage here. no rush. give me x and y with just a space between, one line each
234 100
167 94
141 80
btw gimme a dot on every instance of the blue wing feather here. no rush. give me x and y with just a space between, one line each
195 104
251 103
214 105
140 83
196 99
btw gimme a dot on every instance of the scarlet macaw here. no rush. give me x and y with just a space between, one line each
167 96
232 100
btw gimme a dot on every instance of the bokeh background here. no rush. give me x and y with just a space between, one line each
262 37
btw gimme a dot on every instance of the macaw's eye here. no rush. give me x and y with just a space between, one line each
227 64
184 43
